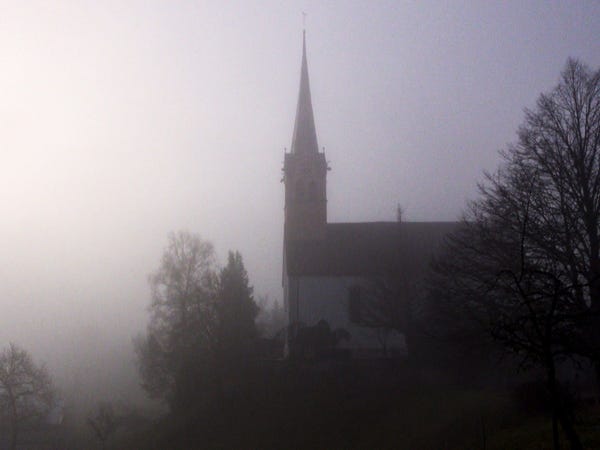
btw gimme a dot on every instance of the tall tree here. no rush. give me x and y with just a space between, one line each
236 310
559 144
26 391
202 324
492 279
180 337
525 266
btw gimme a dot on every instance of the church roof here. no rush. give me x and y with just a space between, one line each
367 249
304 139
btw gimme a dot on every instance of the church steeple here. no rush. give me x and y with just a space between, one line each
305 171
304 139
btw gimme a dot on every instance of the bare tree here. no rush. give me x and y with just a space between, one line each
525 266
386 303
492 277
182 327
560 144
390 299
26 391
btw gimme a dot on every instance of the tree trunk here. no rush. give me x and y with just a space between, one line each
553 389
560 412
13 420
555 438
567 425
594 283
13 435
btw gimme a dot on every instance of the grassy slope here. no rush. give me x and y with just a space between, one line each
354 408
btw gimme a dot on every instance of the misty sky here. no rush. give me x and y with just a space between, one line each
121 121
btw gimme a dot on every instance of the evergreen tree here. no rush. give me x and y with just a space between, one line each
236 310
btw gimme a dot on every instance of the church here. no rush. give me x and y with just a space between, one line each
328 266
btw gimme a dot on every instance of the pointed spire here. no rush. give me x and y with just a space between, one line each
304 139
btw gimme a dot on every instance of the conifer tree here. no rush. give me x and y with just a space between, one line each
236 310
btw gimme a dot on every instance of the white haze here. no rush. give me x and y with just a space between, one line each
122 121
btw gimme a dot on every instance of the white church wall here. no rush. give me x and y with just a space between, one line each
322 297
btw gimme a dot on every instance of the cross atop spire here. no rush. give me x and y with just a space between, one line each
304 139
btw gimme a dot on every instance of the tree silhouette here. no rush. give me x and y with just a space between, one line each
202 324
26 391
181 334
236 310
525 266
236 333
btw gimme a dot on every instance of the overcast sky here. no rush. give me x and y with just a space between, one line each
121 121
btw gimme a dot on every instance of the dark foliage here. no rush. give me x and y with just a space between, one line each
202 327
271 319
317 342
236 311
387 303
180 338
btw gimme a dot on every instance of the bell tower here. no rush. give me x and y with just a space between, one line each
305 171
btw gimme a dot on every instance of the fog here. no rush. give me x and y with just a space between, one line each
123 121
